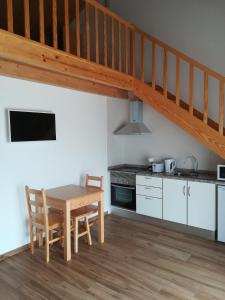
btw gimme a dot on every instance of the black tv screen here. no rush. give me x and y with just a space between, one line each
31 126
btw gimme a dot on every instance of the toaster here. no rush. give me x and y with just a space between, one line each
158 167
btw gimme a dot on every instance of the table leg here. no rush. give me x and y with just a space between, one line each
67 234
101 219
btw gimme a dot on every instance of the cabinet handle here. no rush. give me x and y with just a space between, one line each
148 188
189 191
184 189
148 178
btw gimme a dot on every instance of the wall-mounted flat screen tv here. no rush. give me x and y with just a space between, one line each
26 126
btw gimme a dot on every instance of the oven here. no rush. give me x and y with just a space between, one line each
123 196
123 190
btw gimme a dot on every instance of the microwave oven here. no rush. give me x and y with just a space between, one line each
221 172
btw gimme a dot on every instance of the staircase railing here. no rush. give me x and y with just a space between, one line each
90 31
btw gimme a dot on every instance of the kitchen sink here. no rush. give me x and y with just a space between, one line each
186 174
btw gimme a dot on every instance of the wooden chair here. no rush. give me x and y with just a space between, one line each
42 220
80 217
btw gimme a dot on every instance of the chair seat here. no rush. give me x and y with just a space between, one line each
83 211
55 220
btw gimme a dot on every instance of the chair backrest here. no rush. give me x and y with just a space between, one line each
94 181
36 203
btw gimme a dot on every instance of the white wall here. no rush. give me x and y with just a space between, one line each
81 147
195 27
166 140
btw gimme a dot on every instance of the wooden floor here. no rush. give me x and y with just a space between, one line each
138 261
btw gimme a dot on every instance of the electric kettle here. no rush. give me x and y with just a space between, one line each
170 165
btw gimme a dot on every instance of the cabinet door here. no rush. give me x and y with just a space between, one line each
202 205
175 200
149 206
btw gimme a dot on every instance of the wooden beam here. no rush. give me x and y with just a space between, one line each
41 21
27 18
120 46
205 114
96 37
133 53
153 65
77 19
165 73
191 89
67 28
127 50
88 50
105 52
142 58
54 24
177 80
10 15
221 108
113 43
21 50
21 71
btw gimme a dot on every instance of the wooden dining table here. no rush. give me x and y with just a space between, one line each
69 197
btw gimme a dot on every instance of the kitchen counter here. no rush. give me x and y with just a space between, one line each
200 176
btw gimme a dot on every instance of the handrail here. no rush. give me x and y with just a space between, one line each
115 46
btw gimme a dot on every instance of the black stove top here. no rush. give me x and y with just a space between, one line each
130 169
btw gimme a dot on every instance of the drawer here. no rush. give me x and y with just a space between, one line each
149 181
149 191
149 206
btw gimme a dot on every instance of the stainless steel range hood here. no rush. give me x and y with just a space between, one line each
136 125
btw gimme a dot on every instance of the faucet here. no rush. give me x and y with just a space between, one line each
194 162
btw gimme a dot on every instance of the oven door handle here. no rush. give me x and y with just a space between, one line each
123 187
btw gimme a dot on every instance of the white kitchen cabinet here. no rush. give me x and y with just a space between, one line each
202 205
149 206
149 196
175 200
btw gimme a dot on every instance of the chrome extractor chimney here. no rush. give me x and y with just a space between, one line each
136 125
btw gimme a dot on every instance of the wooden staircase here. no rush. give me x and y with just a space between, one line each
81 44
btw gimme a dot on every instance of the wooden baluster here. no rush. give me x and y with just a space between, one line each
27 18
153 65
96 37
78 27
142 58
42 21
54 23
191 89
105 39
205 114
113 45
88 50
67 33
132 54
10 15
165 73
221 108
127 50
120 46
177 80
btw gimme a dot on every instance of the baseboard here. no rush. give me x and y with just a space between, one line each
14 252
24 248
